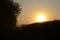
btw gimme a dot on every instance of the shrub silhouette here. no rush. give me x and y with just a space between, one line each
9 11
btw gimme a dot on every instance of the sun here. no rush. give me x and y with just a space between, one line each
40 18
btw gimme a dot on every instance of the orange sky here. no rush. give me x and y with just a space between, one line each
30 8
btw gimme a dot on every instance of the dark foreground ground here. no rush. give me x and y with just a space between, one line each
39 31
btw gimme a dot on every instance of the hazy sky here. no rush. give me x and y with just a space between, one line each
30 8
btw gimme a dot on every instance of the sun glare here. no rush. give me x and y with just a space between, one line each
41 18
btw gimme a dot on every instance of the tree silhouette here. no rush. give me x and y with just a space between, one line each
9 10
8 13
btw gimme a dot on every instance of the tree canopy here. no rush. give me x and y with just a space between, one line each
9 10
